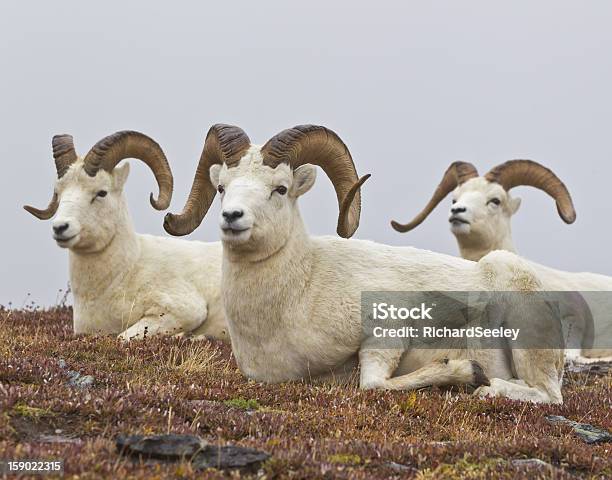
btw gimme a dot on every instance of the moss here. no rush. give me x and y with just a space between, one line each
243 403
24 410
344 458
468 469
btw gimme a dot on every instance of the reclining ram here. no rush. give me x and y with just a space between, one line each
292 301
124 282
480 218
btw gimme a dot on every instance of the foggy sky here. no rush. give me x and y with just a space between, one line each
409 86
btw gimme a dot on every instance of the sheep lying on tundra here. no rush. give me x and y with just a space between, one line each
482 207
480 218
292 301
124 282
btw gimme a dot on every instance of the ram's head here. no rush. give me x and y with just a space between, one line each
482 206
259 186
88 204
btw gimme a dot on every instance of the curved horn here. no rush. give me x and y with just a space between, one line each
64 153
109 151
456 174
48 212
223 144
527 172
320 146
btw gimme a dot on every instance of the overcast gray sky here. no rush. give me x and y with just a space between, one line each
410 87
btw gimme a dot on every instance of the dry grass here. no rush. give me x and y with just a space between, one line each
322 431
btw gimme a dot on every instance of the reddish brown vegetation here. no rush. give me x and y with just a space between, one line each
179 386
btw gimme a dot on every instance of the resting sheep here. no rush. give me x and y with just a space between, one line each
292 301
480 218
482 207
123 282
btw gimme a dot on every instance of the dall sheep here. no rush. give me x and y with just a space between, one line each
480 218
482 207
292 301
123 282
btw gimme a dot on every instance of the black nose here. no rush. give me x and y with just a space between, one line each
456 210
233 215
59 229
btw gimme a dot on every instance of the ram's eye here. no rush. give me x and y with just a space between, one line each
454 201
102 193
220 189
495 201
281 190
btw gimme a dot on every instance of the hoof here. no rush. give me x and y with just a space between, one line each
484 392
478 376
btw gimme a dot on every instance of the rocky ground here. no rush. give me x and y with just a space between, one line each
66 397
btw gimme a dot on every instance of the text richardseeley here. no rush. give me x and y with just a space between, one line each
384 311
445 332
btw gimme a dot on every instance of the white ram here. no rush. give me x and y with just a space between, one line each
480 218
292 301
123 282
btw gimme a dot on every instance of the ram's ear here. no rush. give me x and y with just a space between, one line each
215 171
515 203
303 179
121 175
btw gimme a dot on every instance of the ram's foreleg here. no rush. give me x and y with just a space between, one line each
377 367
162 324
595 355
520 390
539 379
536 355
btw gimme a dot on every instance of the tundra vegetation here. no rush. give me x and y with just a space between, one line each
165 384
480 219
292 301
123 282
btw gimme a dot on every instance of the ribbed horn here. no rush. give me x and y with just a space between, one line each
513 173
224 144
64 153
48 212
456 174
109 151
320 146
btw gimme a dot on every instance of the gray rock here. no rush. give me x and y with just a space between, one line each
167 447
588 433
229 457
201 454
75 379
531 463
596 369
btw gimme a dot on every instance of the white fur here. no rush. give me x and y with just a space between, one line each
488 225
292 301
488 228
127 283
